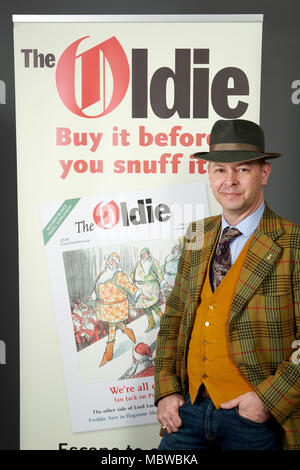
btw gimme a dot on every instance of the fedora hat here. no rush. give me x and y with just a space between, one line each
236 140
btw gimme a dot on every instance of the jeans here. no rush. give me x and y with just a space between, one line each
205 427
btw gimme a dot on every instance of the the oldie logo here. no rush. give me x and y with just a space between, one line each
95 79
93 83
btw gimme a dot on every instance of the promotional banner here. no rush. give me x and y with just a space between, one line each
109 110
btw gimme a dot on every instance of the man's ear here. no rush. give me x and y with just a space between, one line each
266 171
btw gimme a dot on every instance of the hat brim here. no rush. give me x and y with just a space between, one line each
231 156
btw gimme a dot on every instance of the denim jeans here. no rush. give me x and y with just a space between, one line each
205 427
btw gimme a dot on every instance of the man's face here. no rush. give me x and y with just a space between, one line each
238 187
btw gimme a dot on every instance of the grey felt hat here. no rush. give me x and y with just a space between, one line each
236 140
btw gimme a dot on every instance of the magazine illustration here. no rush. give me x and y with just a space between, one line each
112 264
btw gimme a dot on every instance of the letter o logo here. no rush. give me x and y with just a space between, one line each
106 62
106 215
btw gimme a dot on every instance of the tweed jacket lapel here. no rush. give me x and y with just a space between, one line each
262 254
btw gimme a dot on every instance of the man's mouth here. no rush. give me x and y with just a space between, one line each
230 194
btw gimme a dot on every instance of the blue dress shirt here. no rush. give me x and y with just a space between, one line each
247 227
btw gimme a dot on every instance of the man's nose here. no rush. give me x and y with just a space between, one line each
230 178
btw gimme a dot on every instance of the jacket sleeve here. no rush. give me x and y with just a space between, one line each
281 391
169 343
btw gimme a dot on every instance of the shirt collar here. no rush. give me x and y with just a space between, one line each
249 224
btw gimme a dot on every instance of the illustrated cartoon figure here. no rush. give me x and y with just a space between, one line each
77 316
90 326
147 275
78 329
170 270
142 361
84 324
111 292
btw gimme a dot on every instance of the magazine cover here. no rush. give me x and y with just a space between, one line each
112 263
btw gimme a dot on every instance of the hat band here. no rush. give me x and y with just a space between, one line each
235 147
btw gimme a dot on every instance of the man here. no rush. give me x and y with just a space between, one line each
147 276
226 373
111 293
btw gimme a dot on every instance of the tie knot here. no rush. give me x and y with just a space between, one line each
229 234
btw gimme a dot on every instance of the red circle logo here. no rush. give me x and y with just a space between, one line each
106 215
102 78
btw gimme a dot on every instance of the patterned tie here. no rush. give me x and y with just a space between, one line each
222 259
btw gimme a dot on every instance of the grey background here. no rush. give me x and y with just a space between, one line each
279 118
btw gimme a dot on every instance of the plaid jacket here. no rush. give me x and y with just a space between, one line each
264 319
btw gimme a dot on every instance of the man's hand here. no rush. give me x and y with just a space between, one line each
249 406
168 414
